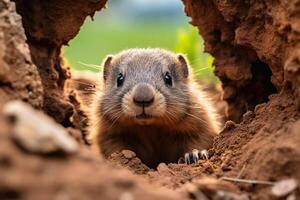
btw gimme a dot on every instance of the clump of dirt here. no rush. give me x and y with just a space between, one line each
128 159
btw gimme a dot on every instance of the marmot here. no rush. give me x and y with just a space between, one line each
149 103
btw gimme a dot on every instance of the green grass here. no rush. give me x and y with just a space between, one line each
98 39
190 43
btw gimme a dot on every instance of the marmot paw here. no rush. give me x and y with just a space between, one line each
194 156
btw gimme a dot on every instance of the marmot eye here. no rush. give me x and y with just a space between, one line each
168 79
120 80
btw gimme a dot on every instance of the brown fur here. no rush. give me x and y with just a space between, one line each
183 116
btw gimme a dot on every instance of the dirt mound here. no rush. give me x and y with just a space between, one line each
58 176
264 147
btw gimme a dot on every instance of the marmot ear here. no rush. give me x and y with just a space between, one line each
184 64
107 66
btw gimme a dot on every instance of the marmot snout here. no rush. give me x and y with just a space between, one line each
142 103
143 95
151 105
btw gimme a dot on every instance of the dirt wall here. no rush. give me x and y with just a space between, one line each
256 49
48 26
255 45
19 78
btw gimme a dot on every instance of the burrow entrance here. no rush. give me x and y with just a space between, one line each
248 63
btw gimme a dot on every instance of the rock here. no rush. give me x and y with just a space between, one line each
126 196
36 132
128 154
224 195
284 187
211 188
225 167
163 169
291 197
194 192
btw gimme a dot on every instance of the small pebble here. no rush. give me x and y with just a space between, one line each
126 196
128 154
226 164
291 197
284 187
163 169
225 167
221 195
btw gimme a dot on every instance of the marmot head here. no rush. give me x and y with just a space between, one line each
145 87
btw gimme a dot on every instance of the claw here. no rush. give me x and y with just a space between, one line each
195 154
181 160
204 154
187 158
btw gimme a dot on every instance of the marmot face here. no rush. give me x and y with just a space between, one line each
145 87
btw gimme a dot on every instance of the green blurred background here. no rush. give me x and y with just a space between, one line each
139 23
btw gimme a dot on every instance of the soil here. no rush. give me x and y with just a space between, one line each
265 145
19 78
256 49
48 26
255 45
81 176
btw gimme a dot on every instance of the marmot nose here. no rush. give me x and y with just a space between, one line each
143 95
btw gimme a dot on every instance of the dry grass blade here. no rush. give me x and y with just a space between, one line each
90 65
238 180
241 172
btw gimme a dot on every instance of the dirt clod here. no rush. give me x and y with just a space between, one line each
128 159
